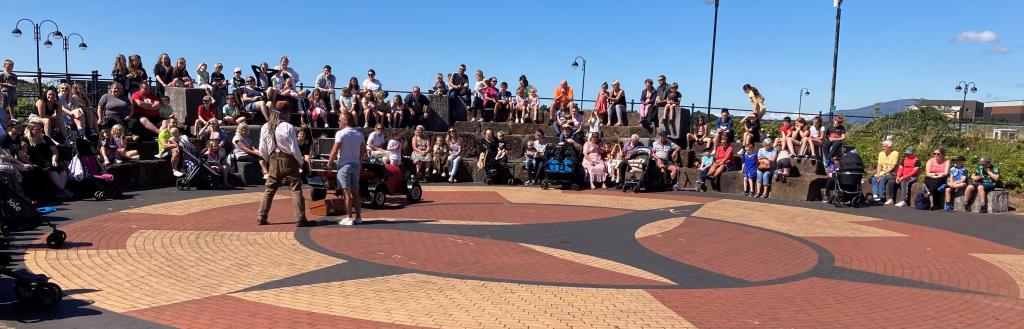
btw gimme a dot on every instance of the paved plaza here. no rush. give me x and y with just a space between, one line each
516 257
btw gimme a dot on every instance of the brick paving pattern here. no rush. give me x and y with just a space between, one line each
517 257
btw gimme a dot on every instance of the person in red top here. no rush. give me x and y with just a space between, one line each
906 175
723 157
785 131
147 108
206 113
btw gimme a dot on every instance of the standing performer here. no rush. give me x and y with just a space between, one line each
280 148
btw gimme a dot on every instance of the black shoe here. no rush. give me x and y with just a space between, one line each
305 223
984 209
261 222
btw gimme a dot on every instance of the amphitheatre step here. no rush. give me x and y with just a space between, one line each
141 175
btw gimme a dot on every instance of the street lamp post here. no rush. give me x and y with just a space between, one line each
583 86
81 45
964 87
835 59
800 107
36 27
714 38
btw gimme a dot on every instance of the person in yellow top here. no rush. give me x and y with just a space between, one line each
756 100
563 96
885 171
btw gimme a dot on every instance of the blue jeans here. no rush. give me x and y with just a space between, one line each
765 177
454 166
878 185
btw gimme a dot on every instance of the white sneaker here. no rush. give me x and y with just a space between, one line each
118 161
177 173
901 204
434 171
265 176
888 202
444 174
345 222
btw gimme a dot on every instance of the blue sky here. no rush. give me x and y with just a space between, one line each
889 49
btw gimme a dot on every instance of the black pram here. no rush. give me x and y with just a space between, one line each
845 187
564 167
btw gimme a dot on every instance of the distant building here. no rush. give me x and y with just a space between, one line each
1004 112
970 110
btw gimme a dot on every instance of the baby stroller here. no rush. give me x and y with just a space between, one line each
18 214
638 170
197 173
845 185
563 167
87 174
497 171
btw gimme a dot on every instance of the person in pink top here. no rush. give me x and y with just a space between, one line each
723 157
593 160
936 171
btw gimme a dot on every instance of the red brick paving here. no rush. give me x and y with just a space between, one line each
823 303
112 231
733 250
503 213
231 312
659 196
926 254
465 256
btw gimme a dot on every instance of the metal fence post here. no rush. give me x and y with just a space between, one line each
95 75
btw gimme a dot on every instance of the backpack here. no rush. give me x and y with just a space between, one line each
923 201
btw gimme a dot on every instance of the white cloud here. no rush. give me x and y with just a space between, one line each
1000 49
971 36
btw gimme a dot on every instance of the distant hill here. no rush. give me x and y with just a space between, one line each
887 108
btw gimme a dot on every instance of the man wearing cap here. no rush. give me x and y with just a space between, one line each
280 148
885 171
984 180
237 82
955 182
458 91
664 151
906 175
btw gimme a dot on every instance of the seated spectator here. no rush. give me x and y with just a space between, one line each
181 76
418 106
706 160
672 99
216 162
936 171
502 156
324 86
615 157
593 124
146 112
617 105
725 128
749 167
519 107
243 149
906 175
49 113
305 147
371 83
723 156
116 149
984 180
698 134
783 163
628 150
440 88
169 143
440 155
253 100
885 171
203 79
165 109
752 130
533 107
218 82
458 91
563 97
802 138
375 144
454 154
84 103
394 152
785 131
233 114
478 96
766 158
490 100
317 111
503 107
206 113
237 81
47 166
648 98
163 71
420 153
956 182
70 111
396 112
370 108
834 137
593 160
817 136
664 151
213 132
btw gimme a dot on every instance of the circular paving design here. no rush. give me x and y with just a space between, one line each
482 257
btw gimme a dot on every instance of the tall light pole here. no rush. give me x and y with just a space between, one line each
583 86
800 107
835 59
964 87
56 34
714 38
81 45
